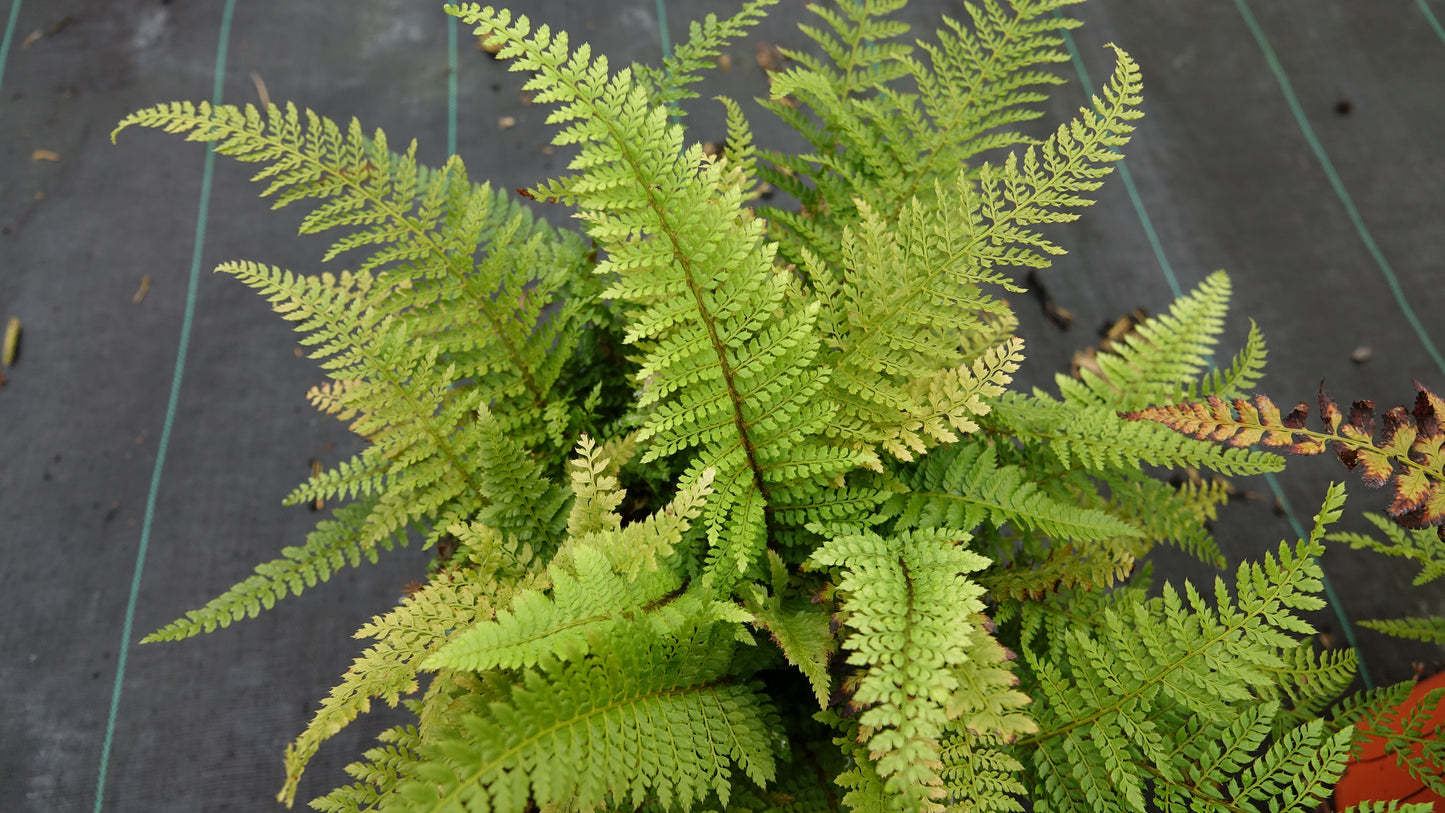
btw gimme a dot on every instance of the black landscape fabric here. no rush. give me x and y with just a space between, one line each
1295 145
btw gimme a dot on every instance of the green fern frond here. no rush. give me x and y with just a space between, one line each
538 626
723 372
375 778
596 492
1391 806
521 502
1099 440
880 145
644 716
1313 680
908 604
963 485
335 544
801 628
980 777
1429 629
405 637
1158 361
1104 694
1422 546
1175 515
706 40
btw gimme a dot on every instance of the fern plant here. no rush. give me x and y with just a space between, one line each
732 505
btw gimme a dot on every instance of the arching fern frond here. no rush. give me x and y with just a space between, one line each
963 485
706 41
727 370
1410 453
1097 439
1104 693
336 543
883 145
1160 359
405 637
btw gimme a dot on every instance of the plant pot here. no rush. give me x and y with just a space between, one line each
1375 775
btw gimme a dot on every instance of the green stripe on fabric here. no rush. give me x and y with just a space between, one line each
451 85
1144 220
172 402
1430 16
1338 185
9 35
666 39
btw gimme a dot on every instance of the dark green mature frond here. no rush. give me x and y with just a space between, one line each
335 544
558 736
1159 361
1174 515
910 608
1108 695
1391 806
963 485
405 637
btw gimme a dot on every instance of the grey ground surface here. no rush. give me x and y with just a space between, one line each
1223 170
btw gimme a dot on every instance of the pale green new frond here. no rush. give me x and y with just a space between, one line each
1158 361
645 716
962 485
387 670
1096 438
333 545
596 492
1429 629
907 603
